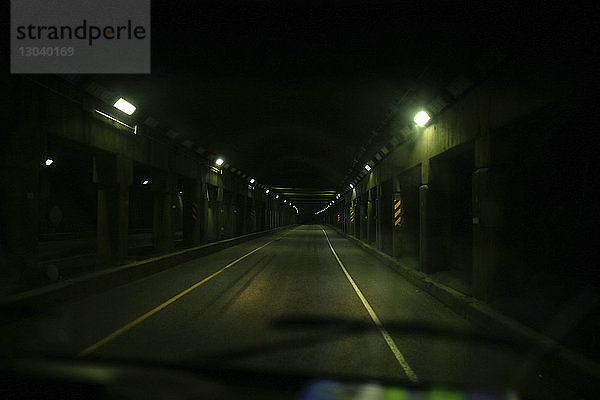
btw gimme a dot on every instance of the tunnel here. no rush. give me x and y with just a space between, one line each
299 201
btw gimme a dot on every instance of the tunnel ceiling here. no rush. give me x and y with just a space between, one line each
290 94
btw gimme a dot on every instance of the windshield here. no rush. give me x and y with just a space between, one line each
301 192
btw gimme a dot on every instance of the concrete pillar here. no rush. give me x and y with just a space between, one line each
194 210
244 212
425 239
164 189
275 214
219 213
396 234
113 176
364 216
253 213
22 147
487 220
372 216
268 214
354 224
379 227
385 216
344 207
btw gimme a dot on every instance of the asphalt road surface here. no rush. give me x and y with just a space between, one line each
302 301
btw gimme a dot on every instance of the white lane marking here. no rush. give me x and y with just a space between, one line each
388 339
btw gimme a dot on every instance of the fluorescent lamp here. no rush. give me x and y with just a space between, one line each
267 191
351 186
124 106
145 182
252 180
49 162
134 128
368 167
421 118
219 161
276 196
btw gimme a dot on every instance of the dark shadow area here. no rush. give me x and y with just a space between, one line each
451 213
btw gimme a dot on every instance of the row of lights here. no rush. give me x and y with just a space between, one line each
337 196
129 109
145 182
121 104
420 119
219 161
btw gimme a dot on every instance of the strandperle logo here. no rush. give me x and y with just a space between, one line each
90 33
80 36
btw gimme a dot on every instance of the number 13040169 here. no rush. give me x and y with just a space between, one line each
48 51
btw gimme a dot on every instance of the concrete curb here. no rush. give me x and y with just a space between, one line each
111 277
479 313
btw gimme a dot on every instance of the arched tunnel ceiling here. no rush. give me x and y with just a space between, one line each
290 94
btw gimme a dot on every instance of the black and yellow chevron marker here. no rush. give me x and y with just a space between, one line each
397 212
195 211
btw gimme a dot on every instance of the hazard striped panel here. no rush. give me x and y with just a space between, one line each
352 214
195 211
397 212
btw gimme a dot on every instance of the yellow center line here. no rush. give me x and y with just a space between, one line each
141 318
386 336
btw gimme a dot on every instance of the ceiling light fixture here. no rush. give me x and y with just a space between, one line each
124 106
421 118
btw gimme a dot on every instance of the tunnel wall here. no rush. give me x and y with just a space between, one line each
472 180
96 182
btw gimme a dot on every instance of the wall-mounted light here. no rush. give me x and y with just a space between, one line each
276 196
219 161
285 201
267 191
367 167
145 182
252 180
49 162
351 186
421 118
124 106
